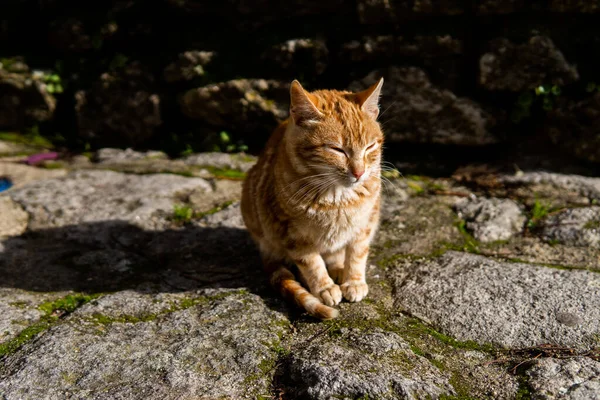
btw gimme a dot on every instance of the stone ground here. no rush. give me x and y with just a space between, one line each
130 276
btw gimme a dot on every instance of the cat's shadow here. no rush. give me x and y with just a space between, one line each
111 256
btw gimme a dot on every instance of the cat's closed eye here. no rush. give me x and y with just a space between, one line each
338 150
371 147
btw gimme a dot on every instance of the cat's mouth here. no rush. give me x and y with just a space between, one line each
353 182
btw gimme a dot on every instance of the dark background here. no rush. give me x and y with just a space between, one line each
463 79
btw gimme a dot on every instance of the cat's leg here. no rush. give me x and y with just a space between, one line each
335 264
354 286
312 268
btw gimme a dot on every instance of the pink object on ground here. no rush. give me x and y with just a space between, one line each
38 158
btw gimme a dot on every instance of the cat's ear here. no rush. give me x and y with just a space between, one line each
302 108
368 99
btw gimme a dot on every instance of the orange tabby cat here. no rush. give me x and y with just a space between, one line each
312 200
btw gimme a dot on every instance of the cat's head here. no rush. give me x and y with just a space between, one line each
336 133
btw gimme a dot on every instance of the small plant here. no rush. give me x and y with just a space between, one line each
225 144
182 214
592 87
538 212
544 94
470 244
188 151
53 83
416 187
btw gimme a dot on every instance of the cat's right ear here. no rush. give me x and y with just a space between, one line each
302 108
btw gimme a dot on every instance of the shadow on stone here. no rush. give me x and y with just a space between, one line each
114 255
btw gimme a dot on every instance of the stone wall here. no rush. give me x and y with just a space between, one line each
175 74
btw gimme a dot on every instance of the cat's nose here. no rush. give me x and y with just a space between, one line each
357 173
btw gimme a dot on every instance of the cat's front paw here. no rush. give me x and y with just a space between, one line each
331 296
354 291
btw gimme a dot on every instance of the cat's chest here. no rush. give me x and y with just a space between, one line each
336 226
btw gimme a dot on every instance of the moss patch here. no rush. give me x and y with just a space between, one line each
415 327
184 214
33 139
174 306
67 304
592 225
537 213
53 310
225 173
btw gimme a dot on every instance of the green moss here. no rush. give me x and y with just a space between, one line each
53 165
24 336
524 391
32 138
183 214
452 397
19 304
470 245
417 350
460 384
214 210
67 304
179 305
69 378
52 311
592 225
225 173
416 327
438 364
538 212
418 189
243 157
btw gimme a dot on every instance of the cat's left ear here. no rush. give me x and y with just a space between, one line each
368 99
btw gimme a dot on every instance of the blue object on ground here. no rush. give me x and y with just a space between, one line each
5 184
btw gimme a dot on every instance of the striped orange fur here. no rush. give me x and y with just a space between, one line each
312 200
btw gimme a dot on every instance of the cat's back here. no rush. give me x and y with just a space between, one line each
259 180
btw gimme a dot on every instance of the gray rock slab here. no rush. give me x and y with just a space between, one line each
92 196
223 192
217 347
472 297
111 155
574 227
569 379
13 219
21 174
583 185
378 365
240 162
491 219
417 226
19 309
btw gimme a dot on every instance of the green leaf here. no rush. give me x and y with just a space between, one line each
540 90
590 87
224 137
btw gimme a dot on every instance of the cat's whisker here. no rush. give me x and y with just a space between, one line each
309 188
387 108
316 189
301 179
